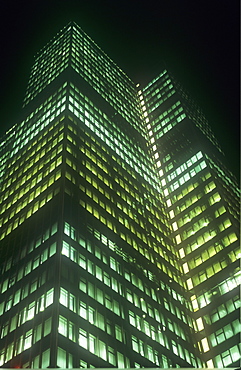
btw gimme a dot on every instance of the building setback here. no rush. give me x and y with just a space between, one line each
119 222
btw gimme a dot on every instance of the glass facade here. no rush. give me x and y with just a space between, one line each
202 199
119 222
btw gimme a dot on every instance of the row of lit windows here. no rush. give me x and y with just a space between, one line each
147 351
224 287
106 206
33 244
29 134
25 342
52 100
164 89
125 185
195 158
172 114
152 85
55 43
184 191
201 223
103 276
96 53
190 174
89 111
113 283
16 174
170 126
144 251
48 65
97 347
45 77
33 185
124 220
28 212
49 134
39 176
95 318
189 216
71 253
115 144
231 199
47 116
164 95
194 228
68 300
40 146
101 72
31 265
155 89
98 157
206 255
103 68
223 310
41 158
22 293
198 209
157 333
125 107
130 259
228 357
209 272
20 205
225 332
202 239
188 203
121 194
122 106
27 313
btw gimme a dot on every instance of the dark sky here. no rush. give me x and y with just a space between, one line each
199 41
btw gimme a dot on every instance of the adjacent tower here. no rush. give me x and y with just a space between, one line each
118 226
202 199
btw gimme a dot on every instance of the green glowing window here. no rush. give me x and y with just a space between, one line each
134 342
63 297
62 328
37 333
27 340
214 199
83 338
47 326
61 358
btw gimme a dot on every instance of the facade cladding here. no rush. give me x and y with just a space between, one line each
119 222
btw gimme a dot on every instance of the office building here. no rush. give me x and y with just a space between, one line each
203 204
119 222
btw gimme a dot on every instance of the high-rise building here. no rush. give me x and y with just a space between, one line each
119 222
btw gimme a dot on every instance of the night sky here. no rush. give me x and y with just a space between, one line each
197 40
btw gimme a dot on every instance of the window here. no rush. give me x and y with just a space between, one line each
83 338
102 350
28 339
61 358
92 343
118 333
83 310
